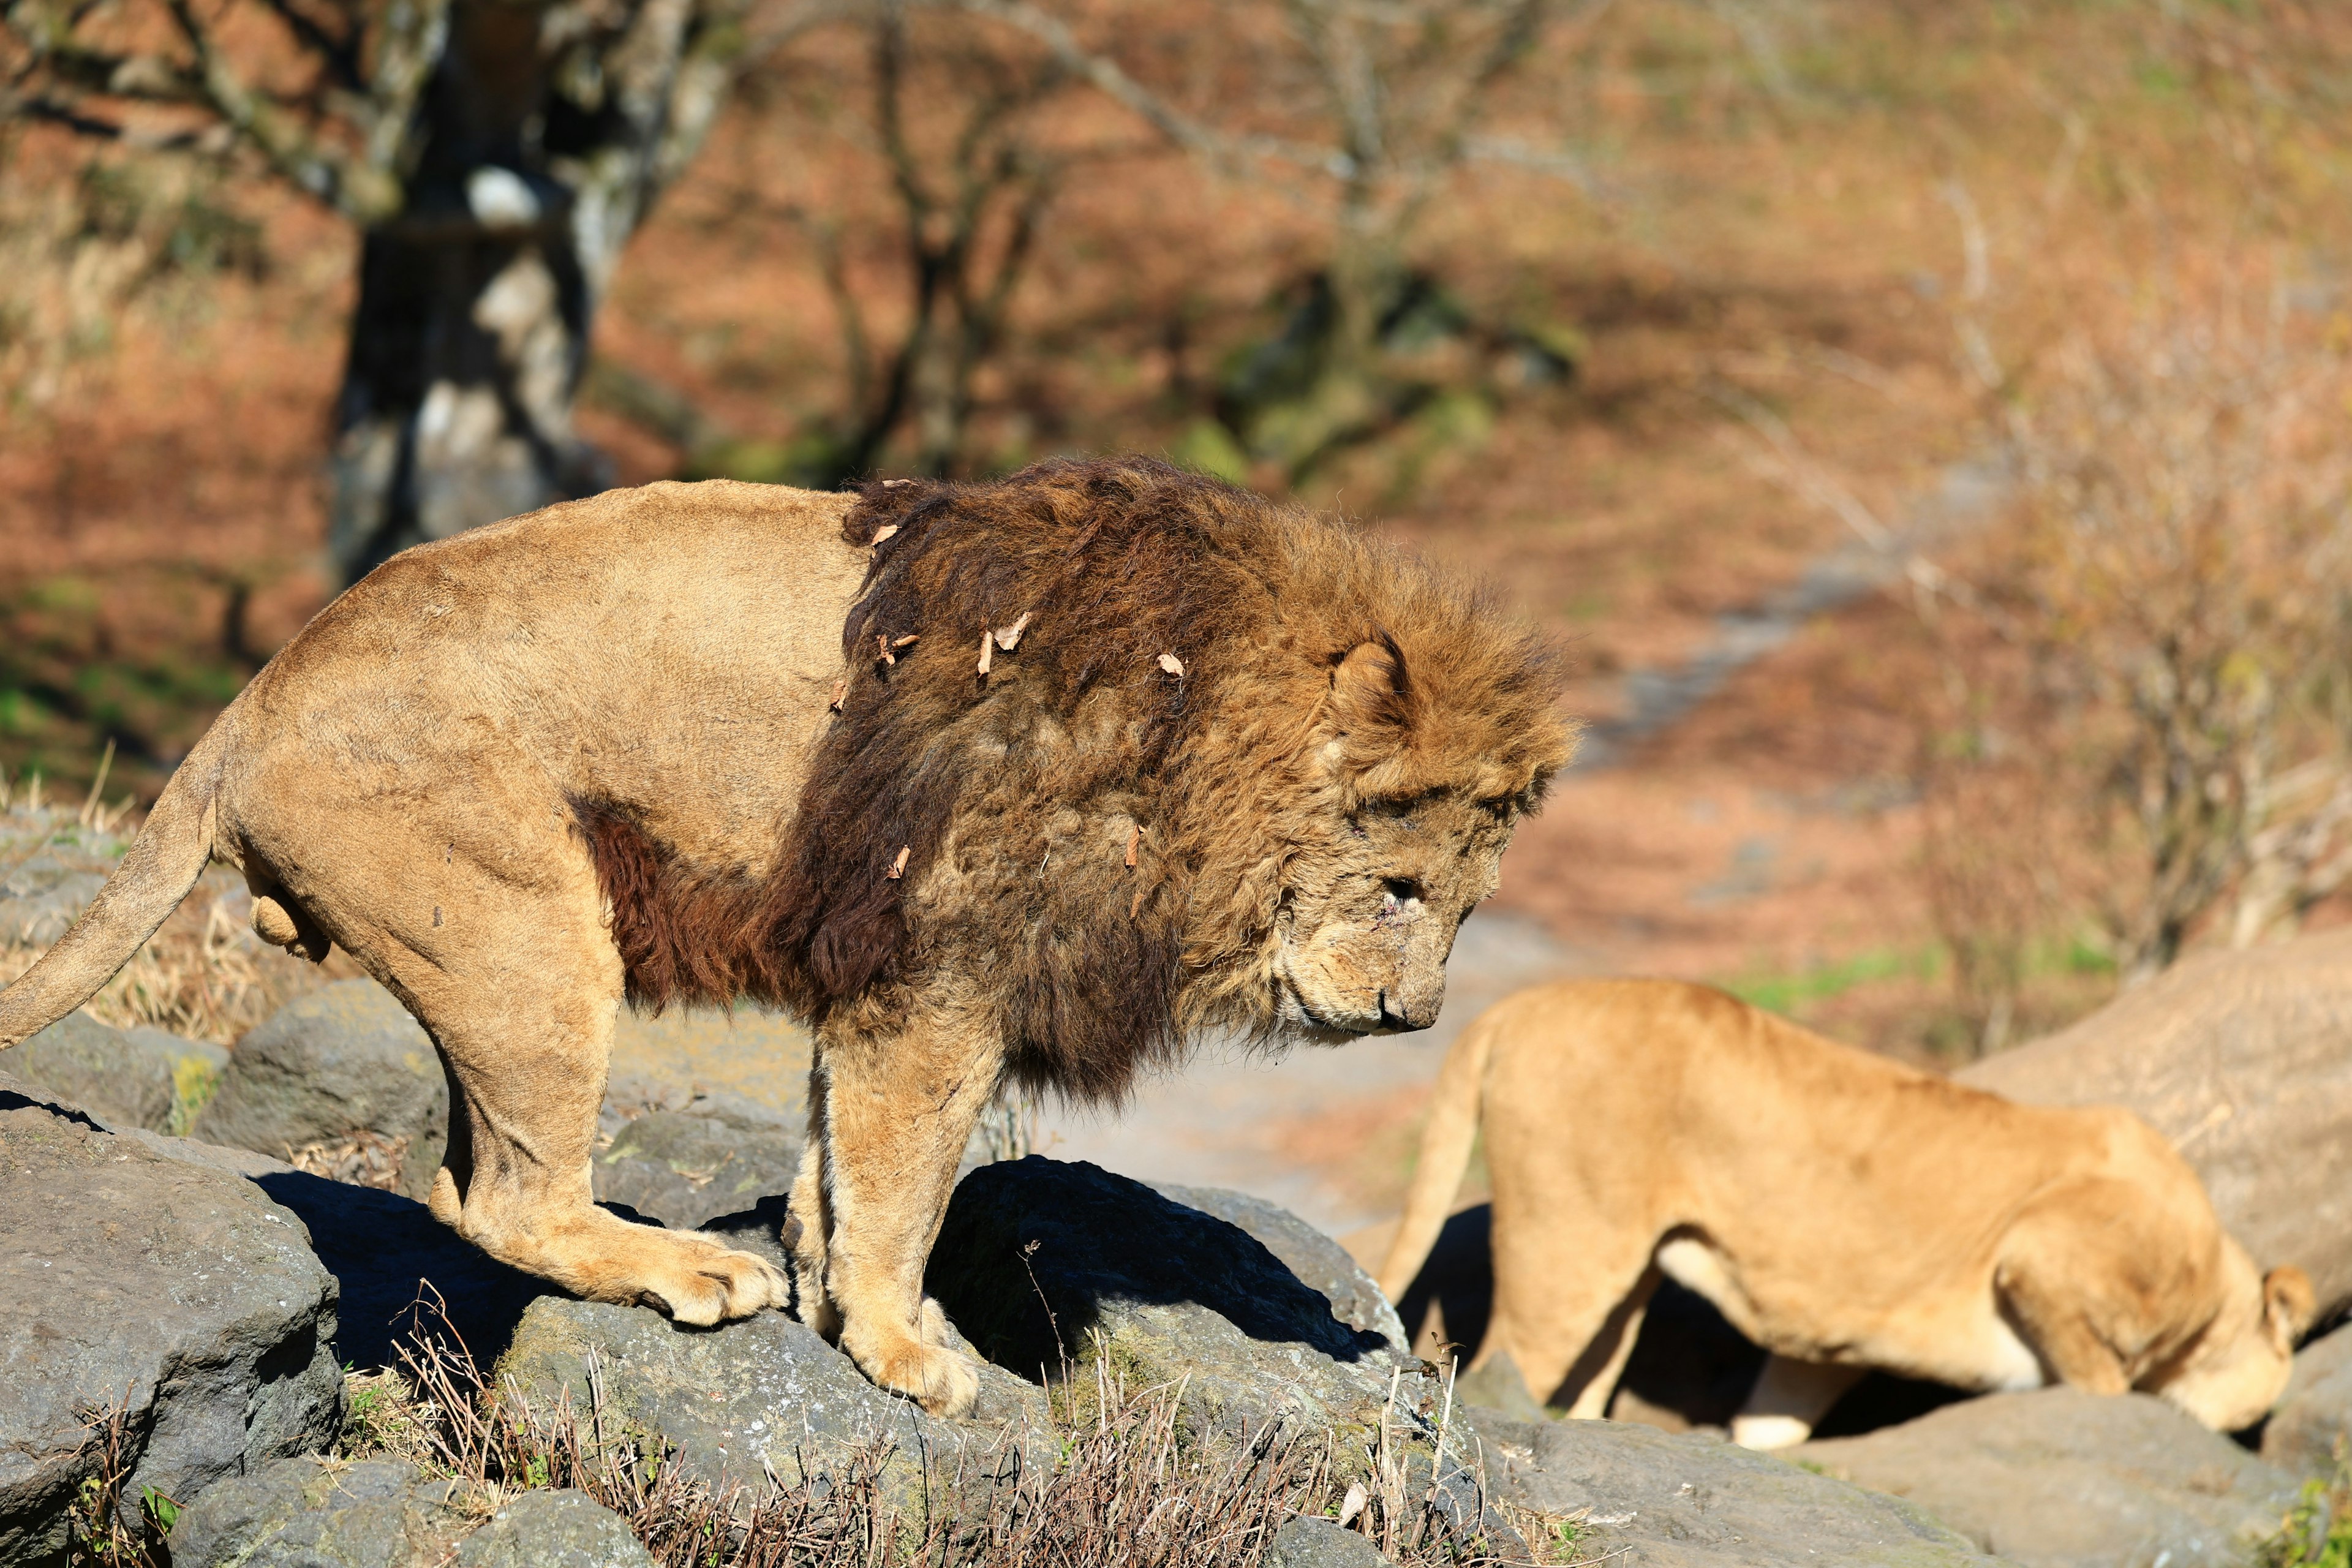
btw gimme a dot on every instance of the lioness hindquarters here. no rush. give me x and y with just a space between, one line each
896 1109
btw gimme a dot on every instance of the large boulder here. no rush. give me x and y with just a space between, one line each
2061 1479
341 1082
129 1078
171 1291
382 1514
1259 1317
760 1396
1663 1500
2314 1417
718 1154
2245 1060
1044 1265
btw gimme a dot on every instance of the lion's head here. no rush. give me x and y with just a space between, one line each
1126 751
2236 1368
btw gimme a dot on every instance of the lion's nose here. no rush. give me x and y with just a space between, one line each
1404 1012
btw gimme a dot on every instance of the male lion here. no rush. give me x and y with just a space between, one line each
1842 1211
1016 781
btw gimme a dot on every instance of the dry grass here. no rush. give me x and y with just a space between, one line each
205 975
1126 1485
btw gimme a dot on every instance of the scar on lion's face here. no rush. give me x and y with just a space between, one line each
1365 952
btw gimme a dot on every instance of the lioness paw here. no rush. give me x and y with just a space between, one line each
1769 1432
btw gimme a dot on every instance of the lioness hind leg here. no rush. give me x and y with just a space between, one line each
897 1113
1568 1322
1788 1401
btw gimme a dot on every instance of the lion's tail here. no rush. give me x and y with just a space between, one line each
161 864
1445 1146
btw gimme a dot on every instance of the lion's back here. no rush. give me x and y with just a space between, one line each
673 644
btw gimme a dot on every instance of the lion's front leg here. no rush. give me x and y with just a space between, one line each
810 1228
897 1111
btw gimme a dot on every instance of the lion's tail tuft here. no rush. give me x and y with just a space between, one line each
1445 1147
161 864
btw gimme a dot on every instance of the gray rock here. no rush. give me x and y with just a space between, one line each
385 1513
2061 1479
1313 1257
720 1153
2315 1414
2245 1060
339 1066
1667 1499
309 1513
402 1275
553 1530
306 1510
1042 1262
129 1078
764 1395
1306 1542
172 1289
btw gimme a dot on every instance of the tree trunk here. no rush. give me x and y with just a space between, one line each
542 138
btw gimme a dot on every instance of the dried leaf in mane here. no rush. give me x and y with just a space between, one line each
1168 652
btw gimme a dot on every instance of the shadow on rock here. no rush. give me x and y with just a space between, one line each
389 1255
1033 1252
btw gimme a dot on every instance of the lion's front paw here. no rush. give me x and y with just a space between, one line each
944 1381
931 1326
701 1281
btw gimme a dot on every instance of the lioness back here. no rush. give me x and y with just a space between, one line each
1837 1207
1654 1106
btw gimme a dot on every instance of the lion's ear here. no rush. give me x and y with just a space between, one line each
2288 1303
1371 692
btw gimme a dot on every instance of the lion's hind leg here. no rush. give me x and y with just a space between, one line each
517 980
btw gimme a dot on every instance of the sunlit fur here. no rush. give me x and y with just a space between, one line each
1844 1211
1241 766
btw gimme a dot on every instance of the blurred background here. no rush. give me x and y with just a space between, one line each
1925 421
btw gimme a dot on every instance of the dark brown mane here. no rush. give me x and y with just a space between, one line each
1073 836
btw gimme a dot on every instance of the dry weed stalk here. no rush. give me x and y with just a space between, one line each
99 1533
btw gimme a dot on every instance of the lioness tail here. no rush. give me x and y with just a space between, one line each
1445 1146
161 864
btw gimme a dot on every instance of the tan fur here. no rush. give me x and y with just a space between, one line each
597 750
1842 1211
